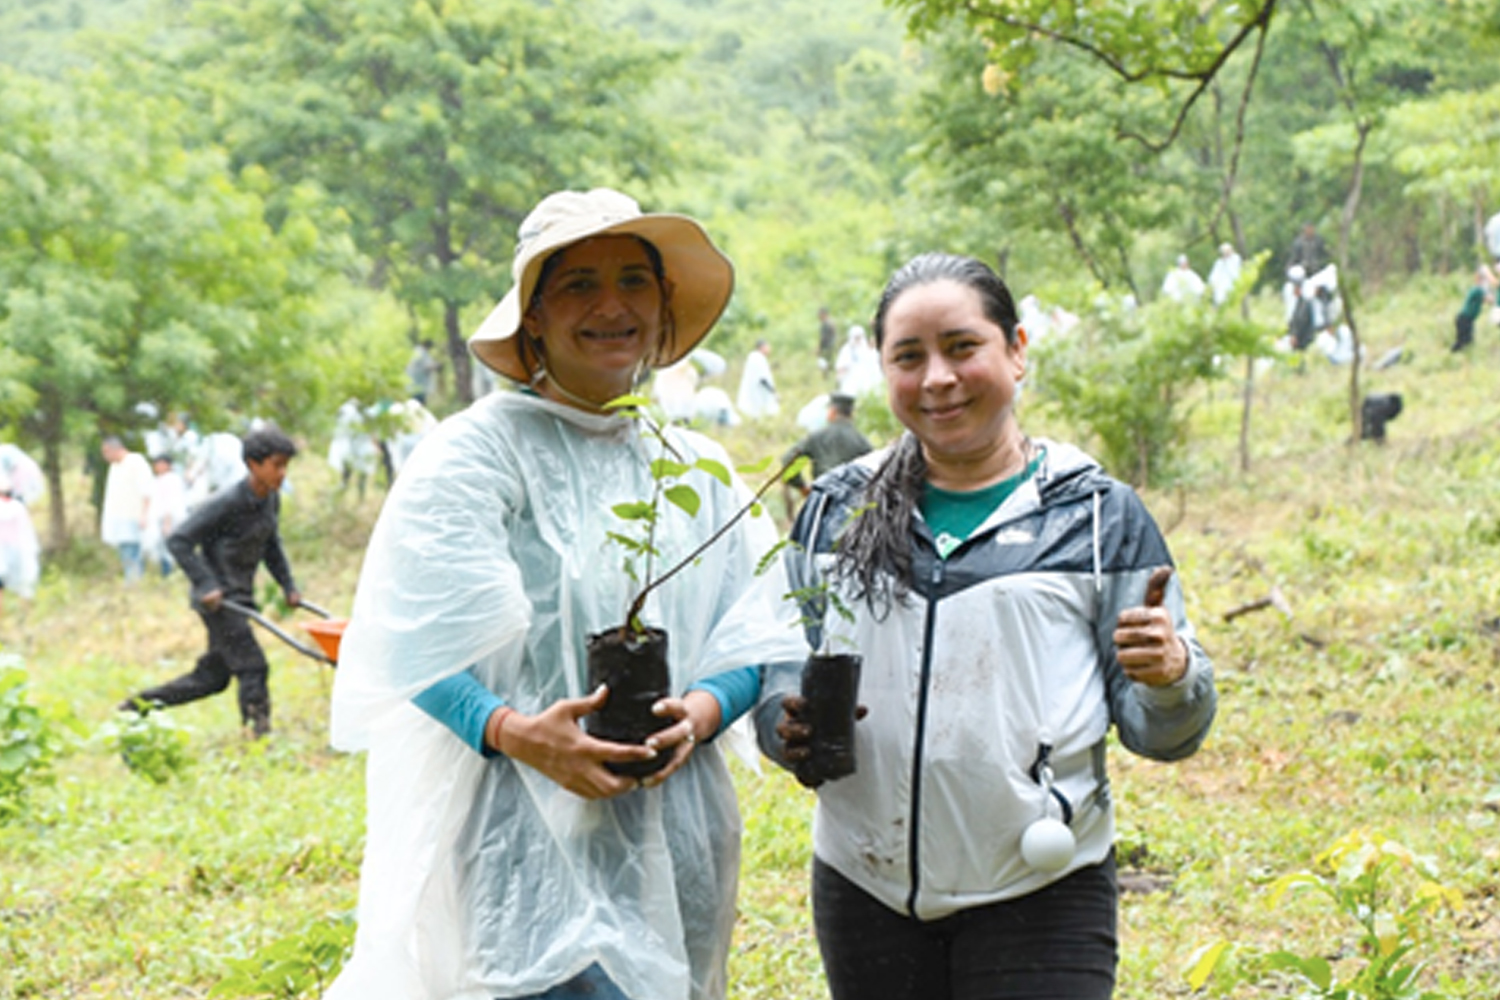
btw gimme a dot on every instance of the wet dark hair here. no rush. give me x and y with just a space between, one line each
874 553
527 348
269 440
930 268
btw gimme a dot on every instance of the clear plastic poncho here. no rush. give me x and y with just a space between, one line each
483 878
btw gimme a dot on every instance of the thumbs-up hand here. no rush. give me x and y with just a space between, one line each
1146 643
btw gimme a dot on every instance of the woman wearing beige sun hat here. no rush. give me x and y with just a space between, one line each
696 280
503 858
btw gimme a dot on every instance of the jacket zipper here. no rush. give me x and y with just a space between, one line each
914 832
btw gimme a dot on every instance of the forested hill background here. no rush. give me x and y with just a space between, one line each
255 207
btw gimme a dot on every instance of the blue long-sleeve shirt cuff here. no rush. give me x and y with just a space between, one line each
462 704
736 691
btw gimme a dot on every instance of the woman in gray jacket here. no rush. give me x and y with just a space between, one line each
1011 602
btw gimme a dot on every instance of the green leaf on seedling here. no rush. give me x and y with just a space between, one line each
754 467
665 468
772 555
799 466
1204 961
628 402
632 545
633 510
713 468
1316 970
684 497
1284 884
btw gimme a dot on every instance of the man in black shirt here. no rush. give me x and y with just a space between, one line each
828 336
837 442
1308 251
219 547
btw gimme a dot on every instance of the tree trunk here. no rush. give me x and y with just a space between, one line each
458 354
1065 212
51 435
1346 291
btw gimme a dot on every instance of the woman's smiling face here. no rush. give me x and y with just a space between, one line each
950 372
599 315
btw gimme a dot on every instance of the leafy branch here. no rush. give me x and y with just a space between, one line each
1368 878
666 474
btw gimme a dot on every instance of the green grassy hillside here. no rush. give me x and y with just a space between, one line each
1370 706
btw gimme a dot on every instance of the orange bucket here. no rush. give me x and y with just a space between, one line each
327 635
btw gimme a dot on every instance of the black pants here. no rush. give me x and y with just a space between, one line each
232 652
1058 943
1463 332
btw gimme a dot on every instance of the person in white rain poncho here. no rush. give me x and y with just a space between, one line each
166 510
351 451
858 364
20 563
503 858
1182 283
757 395
1224 273
26 481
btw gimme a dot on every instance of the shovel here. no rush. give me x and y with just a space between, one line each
278 632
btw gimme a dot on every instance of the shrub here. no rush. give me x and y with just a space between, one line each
1388 892
1123 376
29 742
150 744
298 965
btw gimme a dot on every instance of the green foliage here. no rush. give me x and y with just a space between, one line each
1158 41
1066 178
792 126
150 743
1372 705
1445 145
29 742
1389 893
816 600
435 125
667 486
1125 377
136 268
298 965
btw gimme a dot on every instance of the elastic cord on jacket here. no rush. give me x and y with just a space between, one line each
815 628
1098 569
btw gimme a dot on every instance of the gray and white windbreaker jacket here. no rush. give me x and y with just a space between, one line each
1000 650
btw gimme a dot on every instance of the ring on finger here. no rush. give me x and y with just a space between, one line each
691 738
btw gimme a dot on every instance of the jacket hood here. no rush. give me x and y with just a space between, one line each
1067 473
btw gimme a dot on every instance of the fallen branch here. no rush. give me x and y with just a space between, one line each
1275 599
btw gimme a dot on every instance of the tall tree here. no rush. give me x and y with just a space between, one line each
437 124
1178 47
136 269
1035 152
1377 54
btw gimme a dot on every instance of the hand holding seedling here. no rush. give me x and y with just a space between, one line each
1146 643
695 712
554 743
796 733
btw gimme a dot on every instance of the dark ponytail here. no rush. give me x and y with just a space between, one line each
874 554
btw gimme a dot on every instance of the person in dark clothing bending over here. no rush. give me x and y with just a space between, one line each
219 547
837 442
1472 308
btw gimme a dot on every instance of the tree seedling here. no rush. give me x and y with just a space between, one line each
667 473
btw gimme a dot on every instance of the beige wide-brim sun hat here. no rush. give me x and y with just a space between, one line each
702 276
